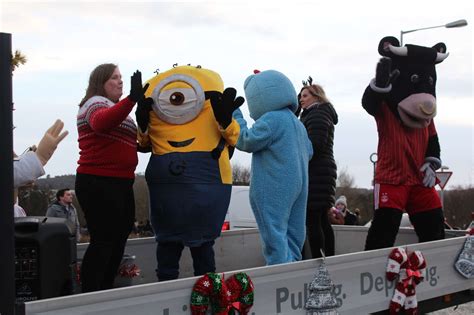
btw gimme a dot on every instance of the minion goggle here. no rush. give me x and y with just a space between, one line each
178 99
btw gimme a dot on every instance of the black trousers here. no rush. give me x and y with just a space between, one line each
108 204
168 255
319 232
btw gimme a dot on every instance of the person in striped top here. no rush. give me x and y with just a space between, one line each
106 171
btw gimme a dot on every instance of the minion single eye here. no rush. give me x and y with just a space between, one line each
430 80
177 98
415 78
178 103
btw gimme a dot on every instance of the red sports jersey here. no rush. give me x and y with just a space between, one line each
401 150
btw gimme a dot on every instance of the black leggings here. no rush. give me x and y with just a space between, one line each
108 204
428 225
319 232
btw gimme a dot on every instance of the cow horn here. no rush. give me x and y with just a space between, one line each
440 57
399 51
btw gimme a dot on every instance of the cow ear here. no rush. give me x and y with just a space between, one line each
383 45
440 47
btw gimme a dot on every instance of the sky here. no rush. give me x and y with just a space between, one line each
333 41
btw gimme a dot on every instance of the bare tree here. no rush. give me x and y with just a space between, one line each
241 174
344 179
458 207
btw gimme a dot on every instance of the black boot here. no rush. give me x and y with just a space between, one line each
429 225
384 228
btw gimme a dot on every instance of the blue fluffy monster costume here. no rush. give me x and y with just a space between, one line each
279 175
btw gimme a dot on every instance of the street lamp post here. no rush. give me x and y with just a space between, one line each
373 159
458 23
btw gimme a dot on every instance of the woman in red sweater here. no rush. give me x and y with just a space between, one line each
106 172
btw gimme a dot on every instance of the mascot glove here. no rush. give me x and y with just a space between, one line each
384 76
137 91
429 167
50 141
142 113
224 104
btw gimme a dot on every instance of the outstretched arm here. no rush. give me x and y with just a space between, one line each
26 169
29 166
254 139
380 86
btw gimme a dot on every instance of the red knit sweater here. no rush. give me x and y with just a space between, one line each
107 138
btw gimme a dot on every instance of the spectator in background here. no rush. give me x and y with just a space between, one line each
341 207
335 216
135 229
18 211
106 172
319 118
63 208
359 216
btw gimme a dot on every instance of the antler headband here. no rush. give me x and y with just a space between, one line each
309 82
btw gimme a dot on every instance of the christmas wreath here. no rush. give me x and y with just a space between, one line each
236 294
210 290
241 295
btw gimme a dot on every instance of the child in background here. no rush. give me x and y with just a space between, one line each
349 217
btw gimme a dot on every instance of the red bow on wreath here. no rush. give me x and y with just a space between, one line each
410 270
241 295
224 297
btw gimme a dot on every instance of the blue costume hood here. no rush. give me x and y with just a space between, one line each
268 91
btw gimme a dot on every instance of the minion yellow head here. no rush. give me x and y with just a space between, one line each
182 120
178 94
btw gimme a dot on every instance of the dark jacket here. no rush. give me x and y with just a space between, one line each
351 218
319 121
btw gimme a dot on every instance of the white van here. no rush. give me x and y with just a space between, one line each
240 214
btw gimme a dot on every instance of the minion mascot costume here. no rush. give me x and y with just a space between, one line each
189 174
402 100
279 175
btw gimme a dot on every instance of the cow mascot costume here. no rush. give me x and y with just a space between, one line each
402 99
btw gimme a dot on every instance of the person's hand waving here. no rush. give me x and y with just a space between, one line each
50 141
137 91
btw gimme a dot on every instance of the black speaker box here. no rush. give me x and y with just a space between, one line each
45 258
